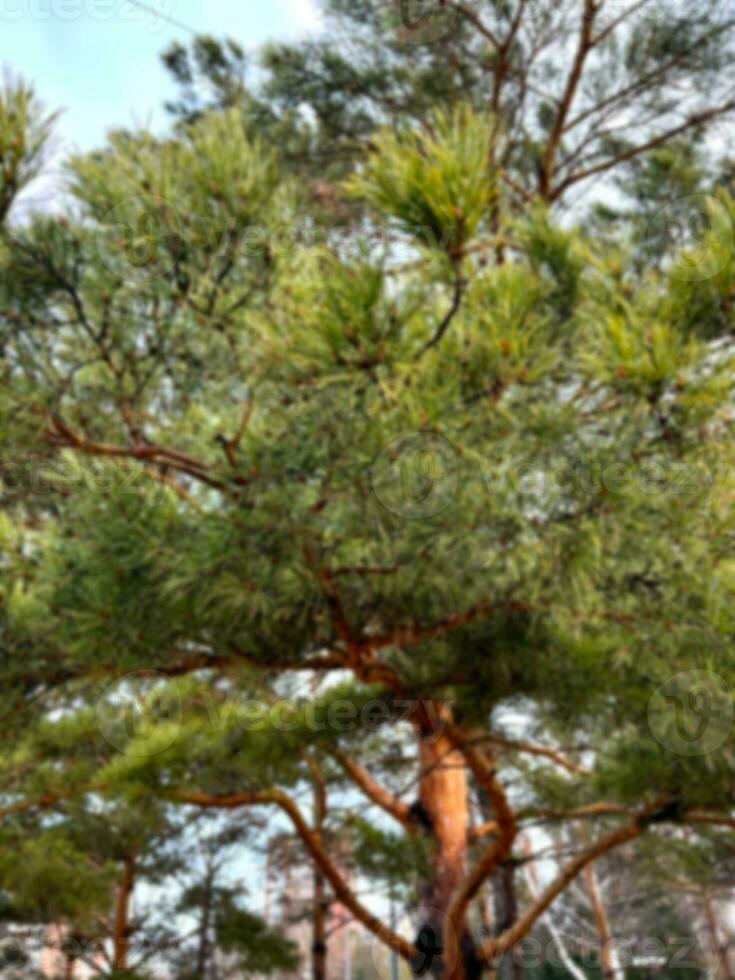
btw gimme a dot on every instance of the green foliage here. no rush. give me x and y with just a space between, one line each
378 62
261 457
258 948
401 861
435 183
223 66
24 133
50 878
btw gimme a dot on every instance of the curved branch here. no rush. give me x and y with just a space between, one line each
601 809
634 151
587 812
316 849
531 748
320 664
42 802
413 635
61 436
483 768
707 816
483 830
473 19
584 46
379 795
495 854
459 286
496 947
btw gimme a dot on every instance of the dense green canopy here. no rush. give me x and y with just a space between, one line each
282 502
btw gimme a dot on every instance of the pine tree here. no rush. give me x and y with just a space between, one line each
578 90
455 490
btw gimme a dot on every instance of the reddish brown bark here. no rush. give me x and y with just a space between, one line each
607 959
443 799
444 813
494 863
320 902
399 810
584 46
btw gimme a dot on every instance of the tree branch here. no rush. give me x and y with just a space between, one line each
584 46
61 435
459 285
473 19
399 810
499 945
483 768
547 752
632 152
316 849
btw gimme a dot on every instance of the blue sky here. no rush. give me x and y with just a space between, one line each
98 60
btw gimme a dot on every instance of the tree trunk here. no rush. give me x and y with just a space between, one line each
320 901
506 912
443 813
608 960
504 900
505 904
719 950
319 929
121 935
69 966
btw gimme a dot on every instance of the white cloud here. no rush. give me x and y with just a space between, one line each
304 13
